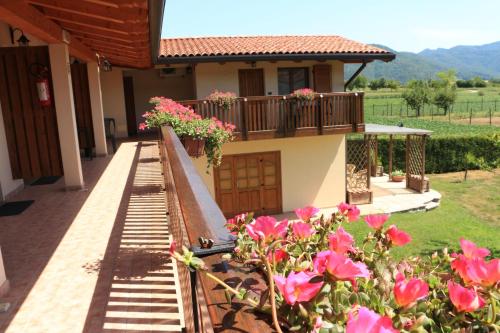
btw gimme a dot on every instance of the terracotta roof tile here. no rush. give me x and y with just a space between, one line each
263 45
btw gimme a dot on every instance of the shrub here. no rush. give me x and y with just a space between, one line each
316 279
465 83
446 154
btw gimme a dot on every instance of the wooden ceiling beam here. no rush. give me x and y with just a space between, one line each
101 40
117 50
121 3
127 29
96 44
21 15
106 13
76 29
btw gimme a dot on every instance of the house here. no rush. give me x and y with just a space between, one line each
64 67
267 170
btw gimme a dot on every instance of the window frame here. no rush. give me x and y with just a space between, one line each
290 77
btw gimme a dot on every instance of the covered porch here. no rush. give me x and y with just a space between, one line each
94 260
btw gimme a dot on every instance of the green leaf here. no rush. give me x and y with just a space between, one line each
229 297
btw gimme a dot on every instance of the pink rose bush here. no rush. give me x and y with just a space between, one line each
186 122
319 279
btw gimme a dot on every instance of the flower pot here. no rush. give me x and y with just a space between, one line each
398 179
194 147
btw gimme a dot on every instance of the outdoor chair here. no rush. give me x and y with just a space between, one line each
357 189
110 128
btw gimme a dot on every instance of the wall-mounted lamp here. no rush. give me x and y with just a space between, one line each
106 65
22 41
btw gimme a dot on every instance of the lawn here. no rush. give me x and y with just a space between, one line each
468 209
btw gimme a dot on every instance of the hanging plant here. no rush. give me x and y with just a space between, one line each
199 136
224 100
304 94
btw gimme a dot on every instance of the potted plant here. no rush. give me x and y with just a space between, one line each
223 100
304 94
398 176
199 136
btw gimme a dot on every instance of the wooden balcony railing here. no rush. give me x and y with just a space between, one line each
192 214
264 117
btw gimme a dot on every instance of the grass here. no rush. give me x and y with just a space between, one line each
468 209
440 128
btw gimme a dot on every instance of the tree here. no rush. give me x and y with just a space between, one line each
445 93
478 82
393 84
360 82
416 95
373 84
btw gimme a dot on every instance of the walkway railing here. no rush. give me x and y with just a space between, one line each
193 214
262 117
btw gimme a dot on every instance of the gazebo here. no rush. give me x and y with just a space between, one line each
362 153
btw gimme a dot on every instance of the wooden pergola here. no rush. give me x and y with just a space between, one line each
361 153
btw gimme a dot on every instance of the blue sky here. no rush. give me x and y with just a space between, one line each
404 25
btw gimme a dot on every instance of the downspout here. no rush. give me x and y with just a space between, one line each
355 75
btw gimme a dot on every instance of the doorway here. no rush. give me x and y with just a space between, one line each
128 87
249 183
251 82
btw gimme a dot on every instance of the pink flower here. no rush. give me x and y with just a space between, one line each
471 251
376 221
398 237
142 126
339 266
341 241
351 211
234 224
480 272
279 255
172 247
306 213
302 230
267 228
297 287
318 323
368 321
459 265
466 300
408 292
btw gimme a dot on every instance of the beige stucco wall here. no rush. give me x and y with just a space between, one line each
8 185
113 99
210 76
148 83
312 168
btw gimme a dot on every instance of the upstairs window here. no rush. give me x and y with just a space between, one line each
291 79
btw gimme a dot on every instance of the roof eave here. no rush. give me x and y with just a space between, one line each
156 10
347 57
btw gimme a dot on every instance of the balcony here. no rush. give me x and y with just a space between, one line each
267 117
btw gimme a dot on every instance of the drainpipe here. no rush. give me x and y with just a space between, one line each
355 75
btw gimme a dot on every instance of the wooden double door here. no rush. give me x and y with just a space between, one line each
249 183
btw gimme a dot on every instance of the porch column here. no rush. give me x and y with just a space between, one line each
65 111
4 283
97 110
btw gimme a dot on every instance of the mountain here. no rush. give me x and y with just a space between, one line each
468 61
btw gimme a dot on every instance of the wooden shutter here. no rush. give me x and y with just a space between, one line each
83 109
322 78
251 82
31 130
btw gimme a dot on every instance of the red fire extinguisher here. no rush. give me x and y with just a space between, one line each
42 87
42 83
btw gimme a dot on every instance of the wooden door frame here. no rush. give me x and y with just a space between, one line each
233 177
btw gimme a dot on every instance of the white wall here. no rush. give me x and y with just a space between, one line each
113 99
148 83
312 168
210 76
8 185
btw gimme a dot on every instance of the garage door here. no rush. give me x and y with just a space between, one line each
249 183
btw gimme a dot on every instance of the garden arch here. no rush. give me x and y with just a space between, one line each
362 155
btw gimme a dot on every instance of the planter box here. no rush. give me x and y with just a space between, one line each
194 147
398 179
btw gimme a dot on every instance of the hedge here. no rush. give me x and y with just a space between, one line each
446 154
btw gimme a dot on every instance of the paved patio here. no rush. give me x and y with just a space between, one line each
389 197
94 260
